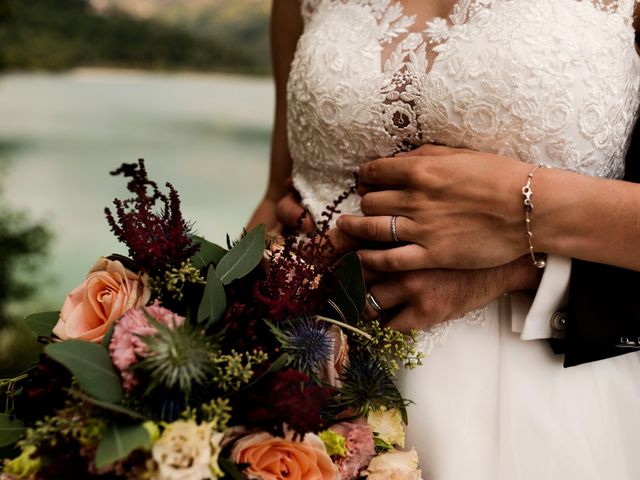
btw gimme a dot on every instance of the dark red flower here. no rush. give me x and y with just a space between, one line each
156 239
289 399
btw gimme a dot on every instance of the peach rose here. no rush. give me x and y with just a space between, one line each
107 293
273 458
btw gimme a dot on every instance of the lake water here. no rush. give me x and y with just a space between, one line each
62 134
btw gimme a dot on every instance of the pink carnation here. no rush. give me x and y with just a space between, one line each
126 345
360 449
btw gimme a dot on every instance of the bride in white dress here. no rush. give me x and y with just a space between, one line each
543 81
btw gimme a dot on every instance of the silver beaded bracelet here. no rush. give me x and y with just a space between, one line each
527 192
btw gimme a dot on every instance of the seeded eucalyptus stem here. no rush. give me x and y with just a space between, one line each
345 326
8 385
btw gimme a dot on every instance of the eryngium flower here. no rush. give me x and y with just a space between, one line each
367 384
307 342
176 359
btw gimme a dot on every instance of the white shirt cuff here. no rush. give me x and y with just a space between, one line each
531 313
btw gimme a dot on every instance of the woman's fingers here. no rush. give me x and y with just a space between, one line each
406 257
344 242
388 202
396 171
289 212
378 229
430 149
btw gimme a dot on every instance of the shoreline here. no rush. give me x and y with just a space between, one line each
106 71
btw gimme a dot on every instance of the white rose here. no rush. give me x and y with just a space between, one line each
395 466
187 451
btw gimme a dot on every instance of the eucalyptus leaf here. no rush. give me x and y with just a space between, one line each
231 469
42 323
106 340
118 443
207 253
92 367
243 257
350 276
11 430
214 300
112 407
345 305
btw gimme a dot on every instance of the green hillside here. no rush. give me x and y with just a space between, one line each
61 34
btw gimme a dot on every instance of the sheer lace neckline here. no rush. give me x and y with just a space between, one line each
404 32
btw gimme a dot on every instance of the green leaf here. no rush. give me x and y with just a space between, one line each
231 469
11 430
243 257
351 278
214 299
119 441
92 367
349 299
207 253
344 305
106 340
42 323
112 407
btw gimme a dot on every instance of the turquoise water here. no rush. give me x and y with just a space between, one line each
62 134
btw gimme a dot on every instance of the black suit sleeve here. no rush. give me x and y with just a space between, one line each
603 314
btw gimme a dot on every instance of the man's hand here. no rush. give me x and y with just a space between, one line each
421 298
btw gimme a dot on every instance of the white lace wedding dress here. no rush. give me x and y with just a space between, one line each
552 81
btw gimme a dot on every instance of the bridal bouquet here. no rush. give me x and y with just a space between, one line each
187 360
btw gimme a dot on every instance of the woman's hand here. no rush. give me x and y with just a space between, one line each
422 298
284 213
456 209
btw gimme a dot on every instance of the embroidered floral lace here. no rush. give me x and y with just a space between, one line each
552 81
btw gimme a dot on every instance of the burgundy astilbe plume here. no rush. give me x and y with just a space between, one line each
157 238
299 277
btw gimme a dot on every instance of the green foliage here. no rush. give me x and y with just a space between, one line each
243 257
42 323
207 253
214 299
175 280
74 421
217 412
11 430
390 346
367 384
91 365
61 34
119 441
232 371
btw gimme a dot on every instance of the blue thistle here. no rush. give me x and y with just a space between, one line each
307 342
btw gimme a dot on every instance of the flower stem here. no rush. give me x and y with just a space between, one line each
345 326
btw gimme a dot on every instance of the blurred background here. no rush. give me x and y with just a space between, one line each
86 85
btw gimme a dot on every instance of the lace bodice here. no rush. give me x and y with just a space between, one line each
551 81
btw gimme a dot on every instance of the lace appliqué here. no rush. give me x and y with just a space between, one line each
551 81
436 335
